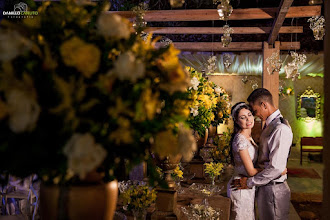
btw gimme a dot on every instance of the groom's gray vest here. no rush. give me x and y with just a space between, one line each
263 156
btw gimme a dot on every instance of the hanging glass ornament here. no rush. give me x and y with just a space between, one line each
245 79
292 68
226 38
211 67
274 63
317 24
164 42
224 10
176 3
227 60
139 24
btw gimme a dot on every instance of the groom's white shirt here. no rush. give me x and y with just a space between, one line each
273 153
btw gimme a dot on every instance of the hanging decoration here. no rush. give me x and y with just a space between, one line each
176 3
211 67
226 38
245 79
274 63
165 42
224 9
139 23
292 68
144 35
317 24
254 84
227 60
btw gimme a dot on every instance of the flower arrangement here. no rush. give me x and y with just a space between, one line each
209 103
288 91
138 197
196 212
177 174
213 169
221 153
81 92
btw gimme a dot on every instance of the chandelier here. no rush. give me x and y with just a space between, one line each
176 3
227 60
211 67
226 38
317 26
224 9
139 23
274 63
292 68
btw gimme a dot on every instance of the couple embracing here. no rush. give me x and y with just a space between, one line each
265 184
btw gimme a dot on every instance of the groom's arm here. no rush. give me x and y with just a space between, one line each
279 144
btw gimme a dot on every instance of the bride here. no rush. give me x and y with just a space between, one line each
245 154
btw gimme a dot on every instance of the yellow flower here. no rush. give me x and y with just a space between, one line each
83 56
213 169
148 105
123 135
166 144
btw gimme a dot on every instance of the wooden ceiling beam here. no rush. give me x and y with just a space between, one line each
218 30
211 14
233 46
278 21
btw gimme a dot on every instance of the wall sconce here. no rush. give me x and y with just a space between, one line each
317 25
274 63
224 9
226 38
176 3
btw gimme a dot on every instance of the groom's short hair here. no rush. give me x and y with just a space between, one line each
260 95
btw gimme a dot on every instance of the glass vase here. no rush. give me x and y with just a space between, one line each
140 214
212 180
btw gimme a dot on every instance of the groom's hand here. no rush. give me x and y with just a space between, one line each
240 183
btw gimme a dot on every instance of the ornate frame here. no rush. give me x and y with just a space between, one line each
309 93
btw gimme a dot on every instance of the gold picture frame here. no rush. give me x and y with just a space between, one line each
309 105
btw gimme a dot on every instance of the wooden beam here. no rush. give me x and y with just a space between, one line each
212 14
270 81
233 46
218 30
278 21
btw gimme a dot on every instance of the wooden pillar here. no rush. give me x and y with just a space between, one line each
270 81
326 130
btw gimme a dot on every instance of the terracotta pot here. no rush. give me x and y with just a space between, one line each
96 201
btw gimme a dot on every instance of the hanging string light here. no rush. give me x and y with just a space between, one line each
176 3
226 38
224 9
317 24
274 63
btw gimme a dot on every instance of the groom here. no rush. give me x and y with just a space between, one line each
273 196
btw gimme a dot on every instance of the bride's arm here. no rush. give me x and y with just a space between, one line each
247 162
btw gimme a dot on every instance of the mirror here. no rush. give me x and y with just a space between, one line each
309 105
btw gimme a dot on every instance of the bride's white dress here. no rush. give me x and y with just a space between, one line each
242 201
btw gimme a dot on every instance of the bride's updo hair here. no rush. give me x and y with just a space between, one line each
234 113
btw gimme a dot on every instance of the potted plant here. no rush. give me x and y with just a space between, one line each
83 98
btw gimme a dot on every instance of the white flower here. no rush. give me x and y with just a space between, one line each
186 143
194 111
194 82
23 111
218 90
127 67
84 155
112 25
12 44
